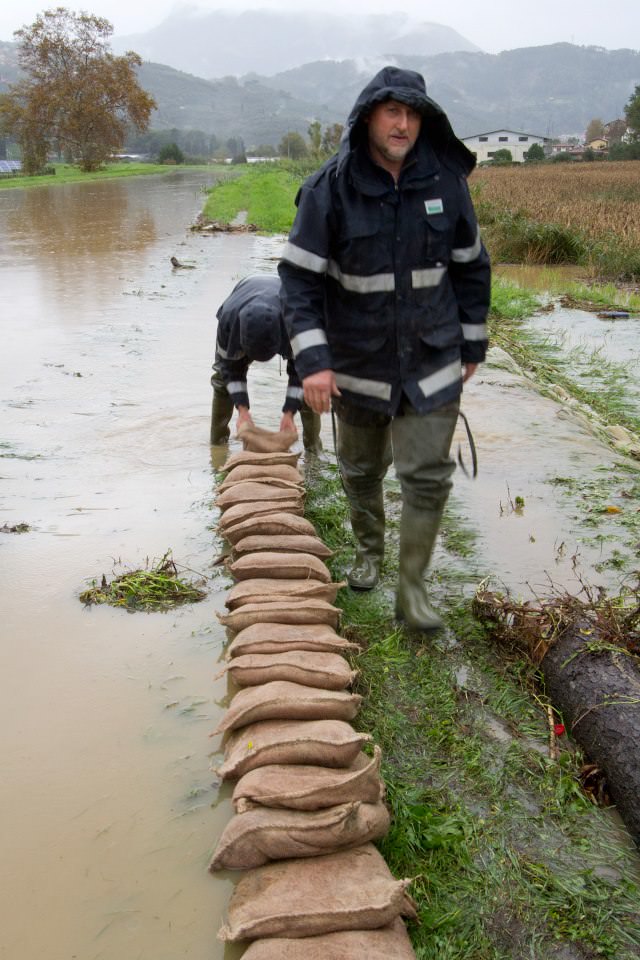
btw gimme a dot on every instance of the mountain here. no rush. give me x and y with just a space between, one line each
222 42
549 90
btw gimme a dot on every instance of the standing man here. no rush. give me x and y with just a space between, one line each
386 288
250 327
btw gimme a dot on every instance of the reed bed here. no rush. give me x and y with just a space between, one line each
593 207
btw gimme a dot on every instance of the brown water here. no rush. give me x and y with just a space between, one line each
108 804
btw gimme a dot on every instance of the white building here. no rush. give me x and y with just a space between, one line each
484 145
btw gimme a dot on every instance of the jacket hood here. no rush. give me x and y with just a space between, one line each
406 86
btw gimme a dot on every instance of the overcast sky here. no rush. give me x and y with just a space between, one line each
493 26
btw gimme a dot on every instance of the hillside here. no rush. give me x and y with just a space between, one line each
549 90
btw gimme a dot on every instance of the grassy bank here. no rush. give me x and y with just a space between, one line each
266 192
65 173
545 214
511 859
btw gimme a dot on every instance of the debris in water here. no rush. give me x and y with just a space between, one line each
156 588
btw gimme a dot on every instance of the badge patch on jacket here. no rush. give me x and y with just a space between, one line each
434 206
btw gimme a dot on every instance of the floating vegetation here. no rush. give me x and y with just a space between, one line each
157 587
15 528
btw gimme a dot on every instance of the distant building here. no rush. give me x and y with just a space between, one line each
484 145
599 144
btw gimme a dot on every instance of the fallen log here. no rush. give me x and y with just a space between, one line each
596 687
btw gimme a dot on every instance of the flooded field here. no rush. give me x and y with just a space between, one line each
109 803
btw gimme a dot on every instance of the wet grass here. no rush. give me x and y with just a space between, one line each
599 384
510 857
157 587
66 173
265 191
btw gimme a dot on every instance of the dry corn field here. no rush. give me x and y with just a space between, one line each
602 200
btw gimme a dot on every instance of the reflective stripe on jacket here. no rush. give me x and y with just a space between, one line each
387 285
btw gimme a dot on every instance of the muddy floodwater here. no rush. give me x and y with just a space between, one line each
108 802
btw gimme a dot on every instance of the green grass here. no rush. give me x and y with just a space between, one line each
598 384
265 191
66 173
505 849
155 588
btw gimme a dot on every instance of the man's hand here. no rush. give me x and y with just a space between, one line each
469 370
286 423
318 390
244 416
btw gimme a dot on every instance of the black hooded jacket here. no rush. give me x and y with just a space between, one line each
388 284
241 338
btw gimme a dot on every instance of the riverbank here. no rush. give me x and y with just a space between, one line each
535 214
511 856
66 173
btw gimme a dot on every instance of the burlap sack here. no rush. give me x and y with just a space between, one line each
310 788
281 610
261 459
387 943
282 637
350 890
257 471
270 524
272 481
250 490
292 543
266 588
252 839
257 439
326 743
283 700
329 671
255 508
272 563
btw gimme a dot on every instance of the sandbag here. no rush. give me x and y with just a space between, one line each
281 610
297 543
255 508
269 524
272 481
249 490
252 839
256 438
310 788
257 471
282 637
387 943
283 700
272 563
267 588
328 743
261 459
349 890
329 671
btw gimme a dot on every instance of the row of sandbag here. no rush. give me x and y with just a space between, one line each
308 800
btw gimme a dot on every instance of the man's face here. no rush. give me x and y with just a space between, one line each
393 130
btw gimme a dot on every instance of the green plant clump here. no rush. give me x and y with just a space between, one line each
155 588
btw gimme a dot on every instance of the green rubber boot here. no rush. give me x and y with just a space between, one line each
364 455
418 531
310 430
221 413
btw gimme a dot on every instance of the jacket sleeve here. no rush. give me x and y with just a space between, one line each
232 365
303 270
470 274
293 399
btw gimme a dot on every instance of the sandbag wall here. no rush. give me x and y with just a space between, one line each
308 799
